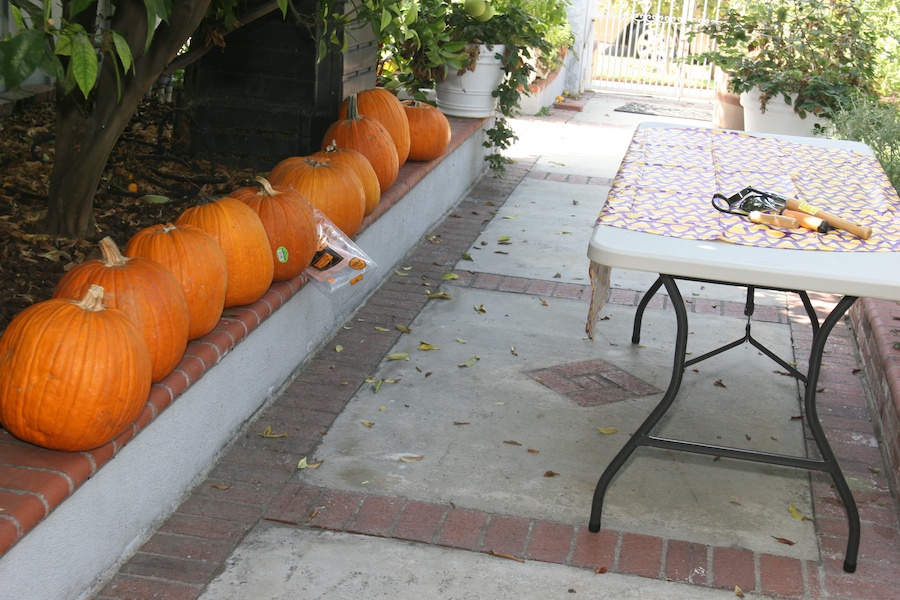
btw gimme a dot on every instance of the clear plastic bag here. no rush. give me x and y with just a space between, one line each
338 261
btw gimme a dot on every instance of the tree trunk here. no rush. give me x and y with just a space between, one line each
87 132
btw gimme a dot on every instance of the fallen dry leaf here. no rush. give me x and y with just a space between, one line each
512 442
267 433
600 570
551 474
738 592
312 515
440 296
504 555
784 541
461 423
534 451
403 329
398 356
719 383
469 362
797 514
607 430
368 423
220 486
427 346
411 458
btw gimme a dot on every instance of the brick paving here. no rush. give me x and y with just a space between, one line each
253 479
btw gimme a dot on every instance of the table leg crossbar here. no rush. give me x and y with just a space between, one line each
642 437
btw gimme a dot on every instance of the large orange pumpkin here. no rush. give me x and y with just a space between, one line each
243 240
384 107
370 138
73 374
197 263
334 189
432 130
363 169
290 225
142 289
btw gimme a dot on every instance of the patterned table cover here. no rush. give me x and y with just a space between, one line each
668 176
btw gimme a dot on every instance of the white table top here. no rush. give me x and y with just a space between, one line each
864 274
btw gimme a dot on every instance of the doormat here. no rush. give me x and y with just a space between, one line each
661 110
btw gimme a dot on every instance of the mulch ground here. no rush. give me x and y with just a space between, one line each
31 262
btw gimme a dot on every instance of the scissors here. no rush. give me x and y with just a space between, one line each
749 200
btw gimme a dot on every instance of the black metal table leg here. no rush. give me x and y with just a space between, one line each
643 437
812 419
642 306
644 430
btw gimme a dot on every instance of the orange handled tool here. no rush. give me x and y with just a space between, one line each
860 231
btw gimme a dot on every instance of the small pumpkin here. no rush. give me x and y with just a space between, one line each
73 374
334 189
194 258
363 169
383 106
370 138
432 129
142 289
290 225
242 237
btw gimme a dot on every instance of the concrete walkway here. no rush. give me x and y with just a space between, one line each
453 432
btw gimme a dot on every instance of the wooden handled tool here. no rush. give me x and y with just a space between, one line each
786 221
860 231
808 221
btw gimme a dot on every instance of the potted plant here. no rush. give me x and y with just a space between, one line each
529 31
424 42
811 56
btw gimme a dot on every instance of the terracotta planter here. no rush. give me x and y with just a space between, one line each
727 110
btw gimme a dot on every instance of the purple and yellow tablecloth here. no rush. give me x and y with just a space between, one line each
668 176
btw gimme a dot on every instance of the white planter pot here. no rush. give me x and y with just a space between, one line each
471 94
778 118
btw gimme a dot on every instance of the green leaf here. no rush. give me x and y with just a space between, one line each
283 5
20 56
84 63
123 50
155 9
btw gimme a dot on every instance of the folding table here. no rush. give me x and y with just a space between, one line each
658 218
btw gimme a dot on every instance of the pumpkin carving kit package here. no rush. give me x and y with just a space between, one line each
338 261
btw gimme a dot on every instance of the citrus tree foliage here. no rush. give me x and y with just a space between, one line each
104 59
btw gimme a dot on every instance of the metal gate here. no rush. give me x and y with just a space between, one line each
643 47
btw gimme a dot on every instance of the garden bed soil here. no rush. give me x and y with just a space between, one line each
31 262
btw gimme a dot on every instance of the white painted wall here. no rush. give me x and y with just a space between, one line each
581 15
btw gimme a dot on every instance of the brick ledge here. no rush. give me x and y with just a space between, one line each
35 481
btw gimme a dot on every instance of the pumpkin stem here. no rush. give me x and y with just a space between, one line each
352 108
112 256
168 227
265 187
332 147
93 299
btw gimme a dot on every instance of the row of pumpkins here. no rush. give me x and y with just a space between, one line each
76 370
